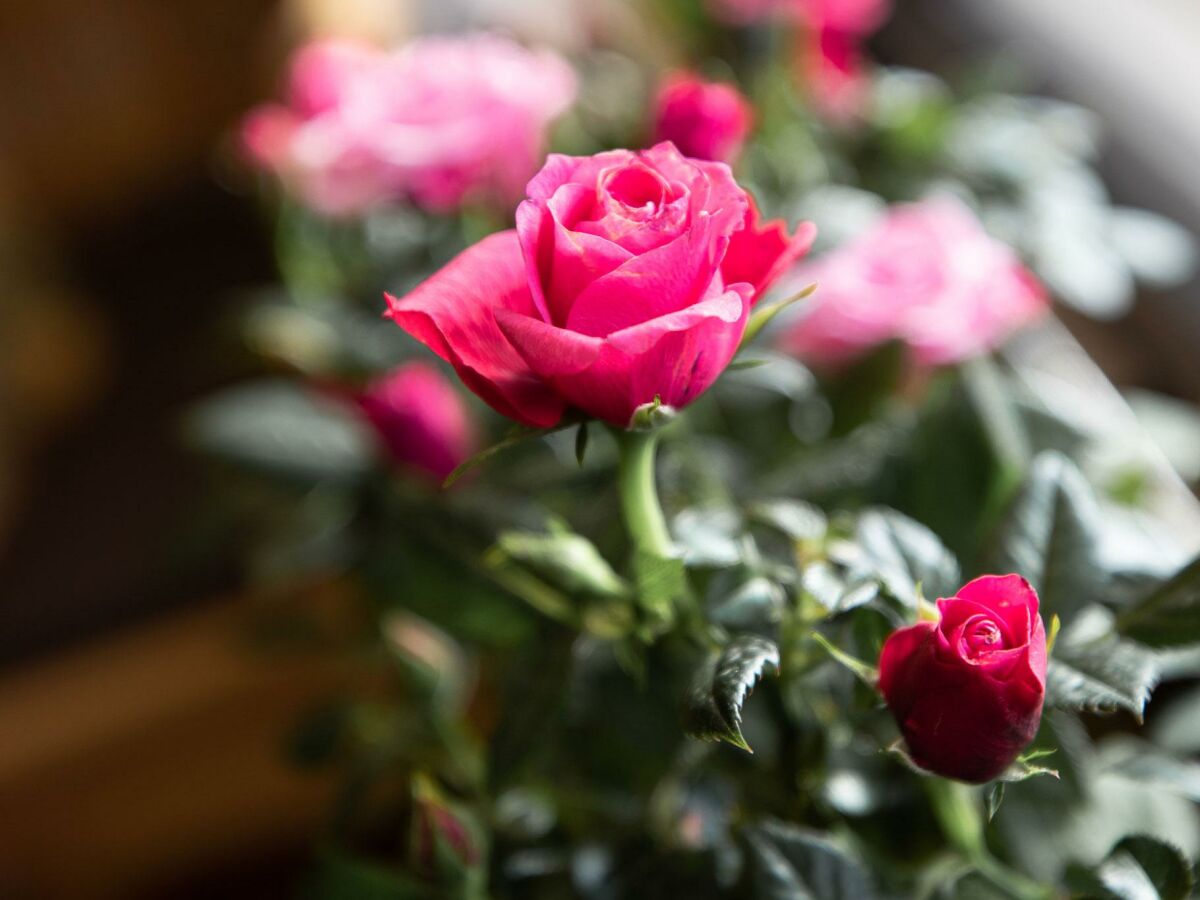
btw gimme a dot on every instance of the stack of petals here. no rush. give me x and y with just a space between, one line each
929 276
629 276
437 122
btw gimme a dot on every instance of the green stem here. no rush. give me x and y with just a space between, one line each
639 494
960 813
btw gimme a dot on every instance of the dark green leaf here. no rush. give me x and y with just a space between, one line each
1168 616
792 863
709 536
581 442
835 591
757 601
905 554
518 435
1101 676
339 876
1141 761
1049 535
798 520
280 428
1137 868
713 711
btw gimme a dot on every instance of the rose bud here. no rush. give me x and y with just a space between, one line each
437 122
927 275
704 119
967 690
629 276
420 419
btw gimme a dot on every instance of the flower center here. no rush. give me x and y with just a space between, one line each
982 636
636 188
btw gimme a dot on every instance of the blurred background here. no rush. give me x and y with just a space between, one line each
139 751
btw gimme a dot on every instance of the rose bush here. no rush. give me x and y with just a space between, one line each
967 690
628 276
437 122
703 119
927 275
420 419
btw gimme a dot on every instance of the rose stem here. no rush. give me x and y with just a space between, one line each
639 495
960 813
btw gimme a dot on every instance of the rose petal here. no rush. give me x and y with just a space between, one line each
762 251
453 313
676 357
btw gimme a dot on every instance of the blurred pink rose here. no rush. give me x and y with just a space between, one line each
629 276
831 55
859 17
927 275
437 122
704 119
420 418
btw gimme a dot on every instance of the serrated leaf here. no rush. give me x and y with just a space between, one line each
280 428
565 559
792 863
1164 864
1050 534
1169 615
1101 676
906 554
713 711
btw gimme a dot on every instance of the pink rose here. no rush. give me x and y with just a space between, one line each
967 691
437 122
927 275
629 276
830 52
420 419
704 119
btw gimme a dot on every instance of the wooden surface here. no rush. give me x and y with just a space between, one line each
151 755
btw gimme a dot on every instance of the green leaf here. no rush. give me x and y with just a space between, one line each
713 711
793 863
660 580
708 536
763 315
1138 868
1101 676
867 674
565 559
1141 761
1050 535
905 554
993 797
798 520
835 592
1168 616
1176 726
755 602
581 442
280 428
518 435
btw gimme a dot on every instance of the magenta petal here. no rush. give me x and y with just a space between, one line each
453 313
661 281
1010 597
762 251
675 358
550 350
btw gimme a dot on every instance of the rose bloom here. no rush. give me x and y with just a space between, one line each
420 419
704 119
927 275
437 122
967 690
629 276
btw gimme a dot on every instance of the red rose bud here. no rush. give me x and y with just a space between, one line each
420 419
629 276
967 690
704 119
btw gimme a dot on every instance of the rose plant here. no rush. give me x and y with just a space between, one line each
568 656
